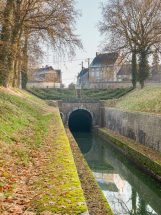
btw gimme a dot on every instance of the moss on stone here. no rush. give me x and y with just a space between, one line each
149 163
58 189
96 201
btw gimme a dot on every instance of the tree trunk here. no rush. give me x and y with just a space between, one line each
134 69
14 82
19 79
25 62
142 84
17 62
143 73
9 72
5 43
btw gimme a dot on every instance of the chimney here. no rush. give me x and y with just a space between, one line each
97 53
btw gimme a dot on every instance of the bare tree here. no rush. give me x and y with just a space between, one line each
52 21
135 28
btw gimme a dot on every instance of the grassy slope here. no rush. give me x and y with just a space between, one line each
147 99
58 94
52 94
34 173
105 94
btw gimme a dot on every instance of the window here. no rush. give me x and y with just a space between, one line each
97 73
92 73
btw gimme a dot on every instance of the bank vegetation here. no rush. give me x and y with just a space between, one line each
37 171
146 100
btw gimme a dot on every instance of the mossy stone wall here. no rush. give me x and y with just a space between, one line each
152 166
141 127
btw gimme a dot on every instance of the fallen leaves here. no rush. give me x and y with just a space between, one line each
37 179
96 202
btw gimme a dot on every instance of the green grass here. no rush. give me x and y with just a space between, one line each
146 99
30 96
16 113
33 144
58 94
105 94
52 94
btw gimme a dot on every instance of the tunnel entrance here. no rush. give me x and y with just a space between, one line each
80 120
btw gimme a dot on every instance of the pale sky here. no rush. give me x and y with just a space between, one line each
90 36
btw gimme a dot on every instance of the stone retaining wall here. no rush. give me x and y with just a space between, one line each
141 127
43 85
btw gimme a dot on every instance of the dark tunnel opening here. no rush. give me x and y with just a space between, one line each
80 120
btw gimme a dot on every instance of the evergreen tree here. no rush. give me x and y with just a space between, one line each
143 72
134 69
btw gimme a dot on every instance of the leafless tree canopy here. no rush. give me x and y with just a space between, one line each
133 27
128 24
25 24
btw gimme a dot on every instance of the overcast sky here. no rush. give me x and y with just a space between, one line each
86 28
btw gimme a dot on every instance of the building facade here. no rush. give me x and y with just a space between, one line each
105 67
45 78
83 77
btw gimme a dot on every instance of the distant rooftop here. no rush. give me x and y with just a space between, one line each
107 59
83 72
43 70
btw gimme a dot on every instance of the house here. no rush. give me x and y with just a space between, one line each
45 78
125 73
83 77
155 75
106 70
105 67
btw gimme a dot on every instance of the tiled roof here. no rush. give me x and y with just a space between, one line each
126 69
107 59
39 74
43 70
83 72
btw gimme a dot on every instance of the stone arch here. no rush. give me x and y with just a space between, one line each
81 107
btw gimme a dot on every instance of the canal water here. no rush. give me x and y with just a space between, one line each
127 188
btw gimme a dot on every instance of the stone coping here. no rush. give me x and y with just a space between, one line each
81 100
145 157
96 201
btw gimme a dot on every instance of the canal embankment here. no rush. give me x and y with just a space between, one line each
136 115
37 170
133 123
96 202
126 187
145 157
141 127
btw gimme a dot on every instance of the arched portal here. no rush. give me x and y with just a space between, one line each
80 120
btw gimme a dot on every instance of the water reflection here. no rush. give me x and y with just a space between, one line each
127 189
